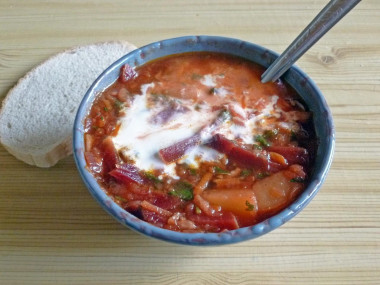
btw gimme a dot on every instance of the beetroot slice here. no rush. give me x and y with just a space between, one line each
127 73
247 158
111 157
127 173
227 221
177 150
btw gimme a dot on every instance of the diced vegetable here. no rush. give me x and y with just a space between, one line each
276 191
127 173
233 200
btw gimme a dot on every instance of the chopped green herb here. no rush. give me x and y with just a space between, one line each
245 172
102 118
121 199
250 207
268 134
196 76
262 175
105 109
197 210
293 136
213 91
192 171
219 170
224 115
262 140
298 180
256 146
152 177
118 104
183 190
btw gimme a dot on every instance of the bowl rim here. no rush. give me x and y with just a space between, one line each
140 56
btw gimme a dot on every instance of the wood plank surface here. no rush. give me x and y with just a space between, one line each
53 232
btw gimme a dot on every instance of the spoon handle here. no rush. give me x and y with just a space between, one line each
321 24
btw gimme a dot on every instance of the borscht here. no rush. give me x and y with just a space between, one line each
194 142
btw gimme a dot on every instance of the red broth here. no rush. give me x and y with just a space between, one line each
196 143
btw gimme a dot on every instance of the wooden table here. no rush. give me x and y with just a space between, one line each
53 232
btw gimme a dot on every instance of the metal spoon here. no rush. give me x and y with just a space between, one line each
321 24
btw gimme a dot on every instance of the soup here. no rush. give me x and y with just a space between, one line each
195 142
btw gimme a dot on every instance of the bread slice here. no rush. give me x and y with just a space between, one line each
37 115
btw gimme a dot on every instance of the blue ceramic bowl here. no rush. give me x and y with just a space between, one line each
295 77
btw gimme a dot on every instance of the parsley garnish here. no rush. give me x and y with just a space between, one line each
105 109
192 171
196 76
121 199
183 190
152 177
118 104
250 207
268 134
219 170
262 175
213 91
246 172
256 146
298 180
262 140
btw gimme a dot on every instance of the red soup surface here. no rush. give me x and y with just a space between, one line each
196 143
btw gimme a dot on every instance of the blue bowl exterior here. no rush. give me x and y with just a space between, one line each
295 77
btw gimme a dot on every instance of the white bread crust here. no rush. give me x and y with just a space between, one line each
30 146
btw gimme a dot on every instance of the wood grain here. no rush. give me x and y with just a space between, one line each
53 232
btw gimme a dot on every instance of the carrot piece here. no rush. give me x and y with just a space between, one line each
150 207
276 157
293 155
204 205
202 184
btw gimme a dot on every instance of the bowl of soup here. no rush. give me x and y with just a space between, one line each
179 140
